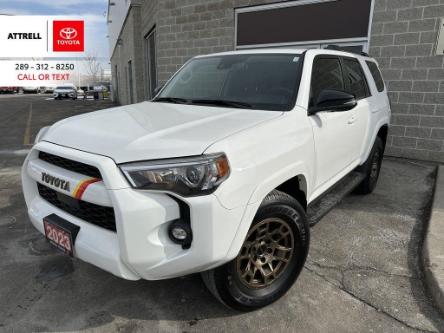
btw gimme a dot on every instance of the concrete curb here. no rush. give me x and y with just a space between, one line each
433 250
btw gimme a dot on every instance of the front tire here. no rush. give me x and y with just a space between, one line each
270 260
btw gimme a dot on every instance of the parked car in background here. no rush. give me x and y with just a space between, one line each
217 173
80 93
30 90
49 89
8 90
67 90
100 88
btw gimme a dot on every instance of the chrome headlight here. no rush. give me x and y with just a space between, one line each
40 134
185 176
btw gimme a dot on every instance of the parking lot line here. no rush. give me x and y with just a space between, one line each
27 135
18 152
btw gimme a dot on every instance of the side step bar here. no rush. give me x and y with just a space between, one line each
322 205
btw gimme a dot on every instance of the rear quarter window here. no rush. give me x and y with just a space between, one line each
376 74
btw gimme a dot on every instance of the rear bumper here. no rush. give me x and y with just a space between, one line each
140 247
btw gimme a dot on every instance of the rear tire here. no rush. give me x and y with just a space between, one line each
270 260
371 168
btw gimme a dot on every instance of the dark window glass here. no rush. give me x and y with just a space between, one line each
376 75
116 81
305 21
130 82
327 74
263 81
355 82
151 71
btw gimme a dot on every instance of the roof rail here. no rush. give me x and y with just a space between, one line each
345 49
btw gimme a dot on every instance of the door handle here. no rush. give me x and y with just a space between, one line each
352 120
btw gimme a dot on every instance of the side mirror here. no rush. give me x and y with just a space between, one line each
333 100
157 89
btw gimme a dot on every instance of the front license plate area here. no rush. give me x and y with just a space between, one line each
60 233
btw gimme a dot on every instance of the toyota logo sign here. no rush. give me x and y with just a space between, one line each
68 36
68 33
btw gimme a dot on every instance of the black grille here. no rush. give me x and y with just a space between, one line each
84 169
94 214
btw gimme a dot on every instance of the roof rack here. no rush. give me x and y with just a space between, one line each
345 49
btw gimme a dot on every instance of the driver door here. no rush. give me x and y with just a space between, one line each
331 130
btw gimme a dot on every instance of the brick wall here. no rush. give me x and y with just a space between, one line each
403 38
128 50
184 29
189 28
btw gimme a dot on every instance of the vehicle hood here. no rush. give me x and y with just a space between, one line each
150 130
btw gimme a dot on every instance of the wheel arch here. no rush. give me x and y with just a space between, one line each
292 180
295 187
383 134
294 184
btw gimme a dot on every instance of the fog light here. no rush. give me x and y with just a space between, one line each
180 233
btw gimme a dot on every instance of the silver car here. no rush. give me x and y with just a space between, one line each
65 91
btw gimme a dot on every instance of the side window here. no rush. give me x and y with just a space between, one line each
327 74
376 75
355 82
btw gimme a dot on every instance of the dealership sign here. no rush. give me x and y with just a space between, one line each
22 73
68 36
41 36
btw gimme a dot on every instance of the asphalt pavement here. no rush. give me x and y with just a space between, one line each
22 116
363 273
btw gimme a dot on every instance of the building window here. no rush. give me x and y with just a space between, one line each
130 82
150 62
304 24
116 83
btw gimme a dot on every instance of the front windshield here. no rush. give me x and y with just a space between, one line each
65 88
256 81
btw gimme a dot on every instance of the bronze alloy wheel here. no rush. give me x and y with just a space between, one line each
265 253
270 259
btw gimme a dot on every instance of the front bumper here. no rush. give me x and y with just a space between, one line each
64 95
140 247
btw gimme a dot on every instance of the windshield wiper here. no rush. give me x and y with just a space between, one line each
221 102
176 100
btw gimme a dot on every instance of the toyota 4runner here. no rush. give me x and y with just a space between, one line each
220 173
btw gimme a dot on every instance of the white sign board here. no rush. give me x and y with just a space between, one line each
440 42
30 36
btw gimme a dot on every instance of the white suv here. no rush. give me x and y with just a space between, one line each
214 175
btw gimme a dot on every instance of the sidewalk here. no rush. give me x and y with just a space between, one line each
433 251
